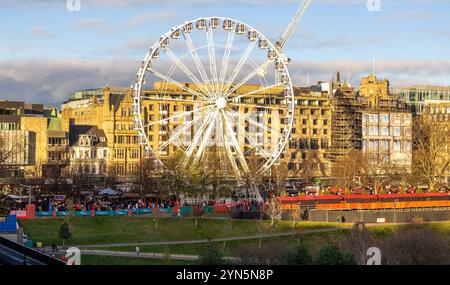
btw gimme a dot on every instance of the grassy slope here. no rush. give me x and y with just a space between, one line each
104 230
116 230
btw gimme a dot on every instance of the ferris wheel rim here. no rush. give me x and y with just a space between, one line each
138 87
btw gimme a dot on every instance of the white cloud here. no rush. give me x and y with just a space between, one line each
50 80
41 32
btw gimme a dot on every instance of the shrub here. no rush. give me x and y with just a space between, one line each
299 256
331 254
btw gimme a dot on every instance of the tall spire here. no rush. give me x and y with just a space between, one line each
373 65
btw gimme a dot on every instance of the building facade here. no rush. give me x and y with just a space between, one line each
415 97
387 138
27 134
88 151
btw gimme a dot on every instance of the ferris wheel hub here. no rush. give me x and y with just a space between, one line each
221 103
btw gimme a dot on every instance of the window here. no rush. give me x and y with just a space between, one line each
315 121
373 146
134 154
105 153
373 118
120 169
120 153
314 131
304 121
385 146
304 131
407 146
314 144
325 131
385 119
397 146
397 131
325 122
385 131
304 144
373 131
407 132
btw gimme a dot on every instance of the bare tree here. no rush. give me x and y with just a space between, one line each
269 253
12 152
279 175
296 214
252 178
358 243
347 169
148 175
274 211
416 245
431 159
176 178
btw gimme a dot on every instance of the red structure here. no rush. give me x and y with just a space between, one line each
367 202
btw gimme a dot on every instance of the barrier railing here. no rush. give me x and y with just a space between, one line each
183 211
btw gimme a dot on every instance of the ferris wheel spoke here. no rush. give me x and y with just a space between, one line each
240 64
212 56
183 87
174 100
196 139
197 61
220 141
206 136
226 59
258 91
173 137
227 146
257 70
235 144
251 139
261 125
186 70
177 116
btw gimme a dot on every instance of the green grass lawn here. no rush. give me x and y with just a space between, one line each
104 230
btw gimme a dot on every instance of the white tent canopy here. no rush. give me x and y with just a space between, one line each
109 192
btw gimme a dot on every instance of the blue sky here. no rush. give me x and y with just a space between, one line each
47 51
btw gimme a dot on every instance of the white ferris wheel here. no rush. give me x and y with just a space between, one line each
219 86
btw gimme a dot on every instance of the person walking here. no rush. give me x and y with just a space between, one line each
138 251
